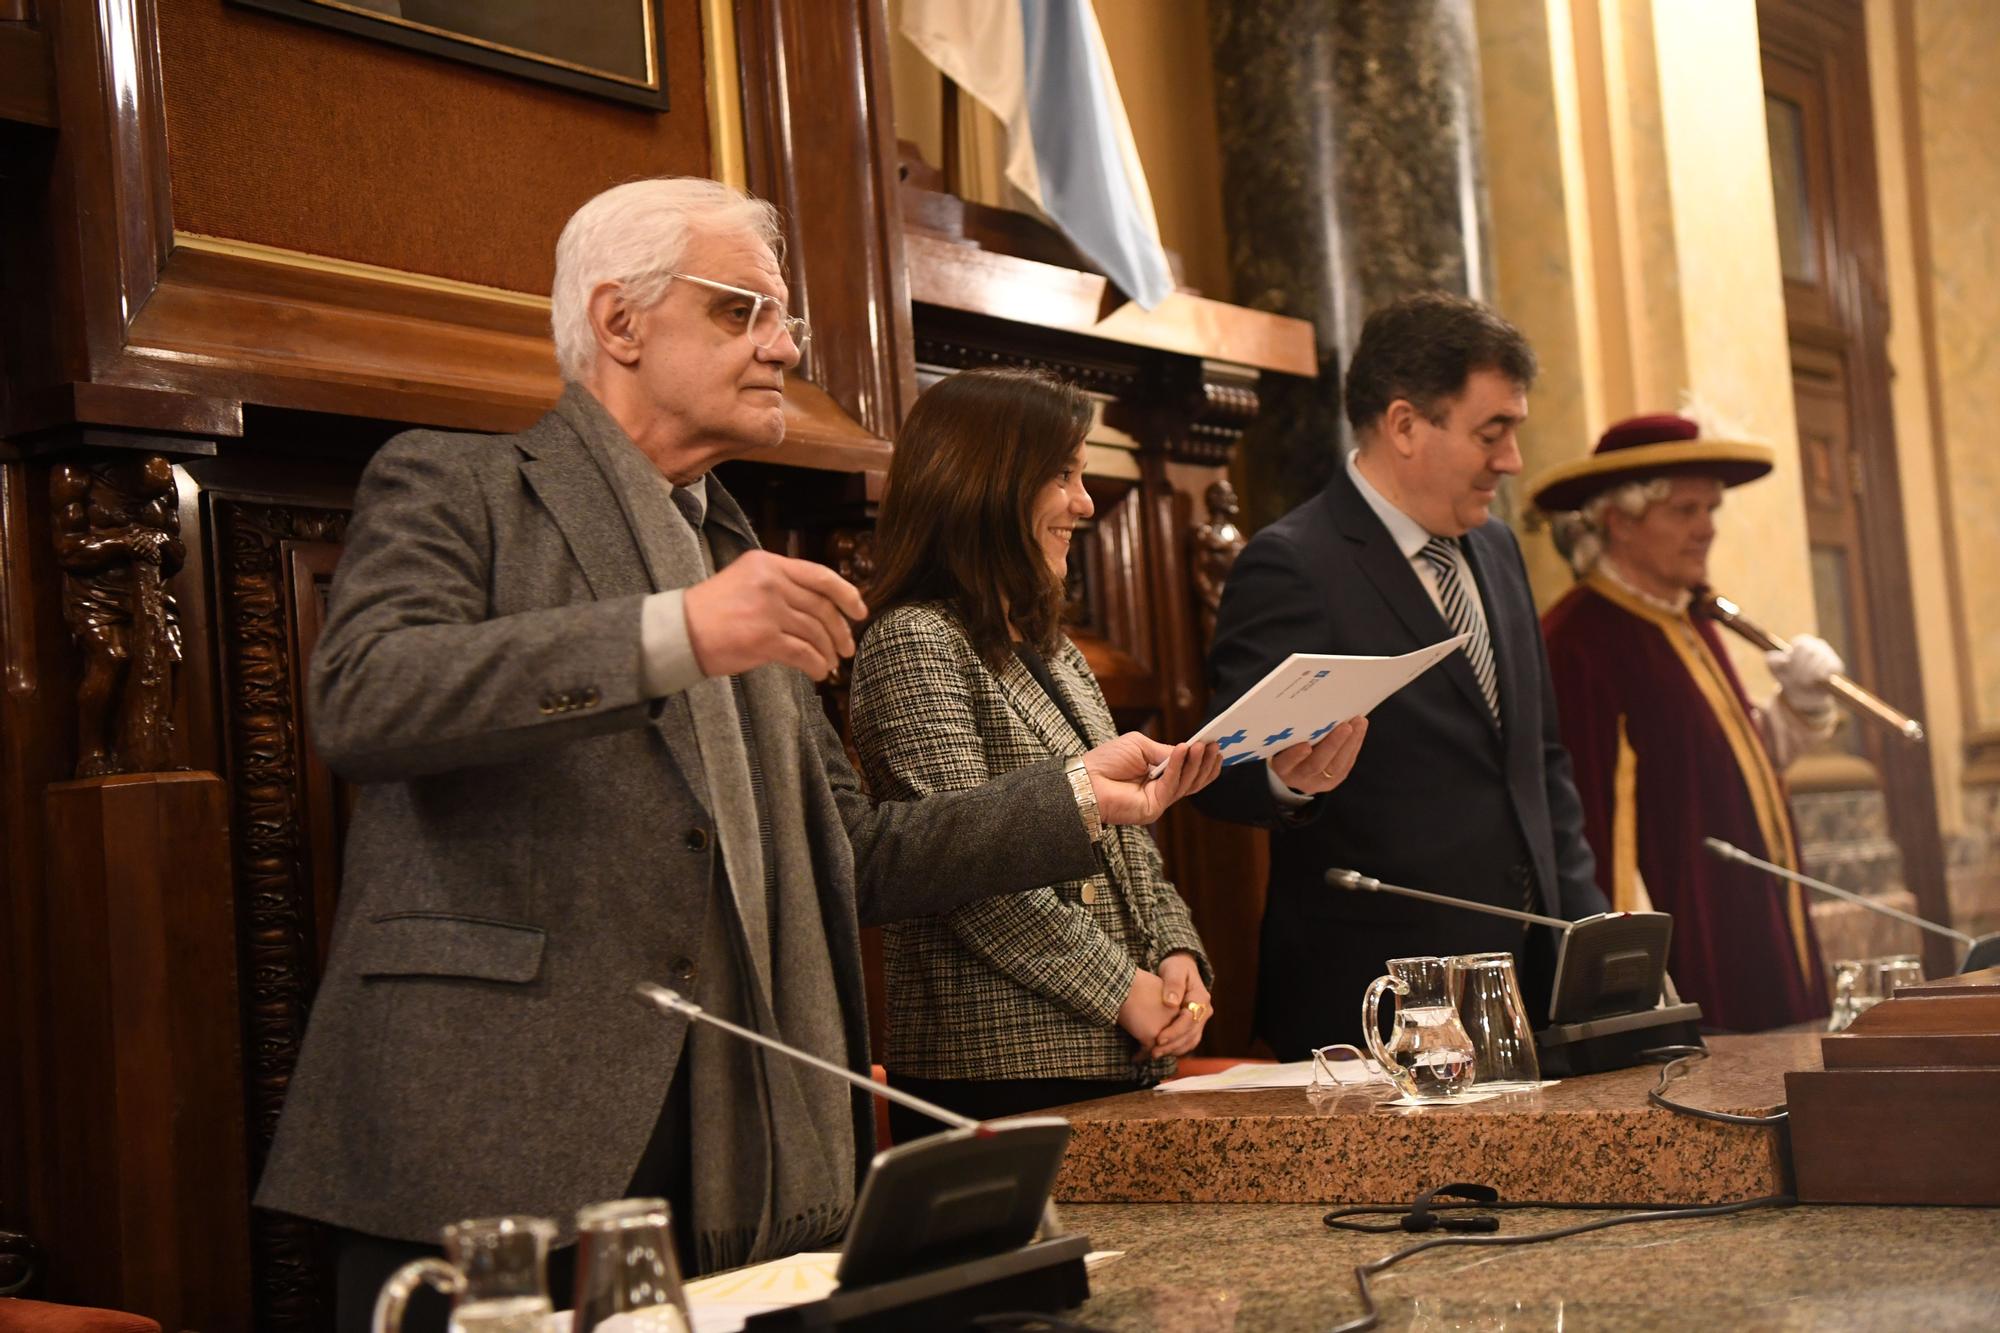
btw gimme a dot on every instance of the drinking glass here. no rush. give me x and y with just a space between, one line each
1855 987
626 1274
1487 996
1902 969
495 1270
1428 1055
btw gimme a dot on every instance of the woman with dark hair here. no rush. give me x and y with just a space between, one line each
1075 990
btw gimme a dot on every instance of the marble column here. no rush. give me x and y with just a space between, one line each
1352 174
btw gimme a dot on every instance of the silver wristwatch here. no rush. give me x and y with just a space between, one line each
1086 797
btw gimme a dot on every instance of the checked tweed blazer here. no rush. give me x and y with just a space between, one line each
1027 986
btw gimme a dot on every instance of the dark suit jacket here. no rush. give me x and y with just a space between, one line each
1440 798
533 838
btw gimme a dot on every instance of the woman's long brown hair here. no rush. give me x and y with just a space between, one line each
957 523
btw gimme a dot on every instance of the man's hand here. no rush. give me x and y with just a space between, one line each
1182 995
1323 765
768 608
1802 674
1118 776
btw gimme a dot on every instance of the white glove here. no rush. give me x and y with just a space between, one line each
1803 672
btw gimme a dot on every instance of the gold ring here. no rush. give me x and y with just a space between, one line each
1194 1007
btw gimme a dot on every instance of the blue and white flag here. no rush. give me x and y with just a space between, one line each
1041 67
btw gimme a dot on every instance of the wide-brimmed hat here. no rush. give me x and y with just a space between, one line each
1641 448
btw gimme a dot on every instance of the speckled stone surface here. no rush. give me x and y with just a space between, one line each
1275 1268
1592 1139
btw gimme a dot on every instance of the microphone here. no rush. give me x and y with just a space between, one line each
674 1002
1610 1001
1980 951
1354 879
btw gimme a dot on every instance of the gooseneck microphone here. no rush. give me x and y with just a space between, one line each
1980 950
676 1003
1354 879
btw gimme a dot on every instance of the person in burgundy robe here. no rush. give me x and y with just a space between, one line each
1667 747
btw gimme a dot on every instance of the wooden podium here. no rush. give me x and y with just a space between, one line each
1906 1107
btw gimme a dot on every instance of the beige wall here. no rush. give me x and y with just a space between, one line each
1957 105
1732 298
1629 175
1159 54
1925 514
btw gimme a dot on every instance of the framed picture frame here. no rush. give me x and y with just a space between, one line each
609 48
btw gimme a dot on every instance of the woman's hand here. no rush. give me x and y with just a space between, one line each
1312 769
1187 1000
1144 1012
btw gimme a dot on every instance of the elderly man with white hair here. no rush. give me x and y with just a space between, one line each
1667 747
578 699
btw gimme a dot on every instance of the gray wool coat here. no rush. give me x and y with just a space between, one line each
533 837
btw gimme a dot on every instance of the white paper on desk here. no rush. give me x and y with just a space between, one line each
1309 694
1258 1078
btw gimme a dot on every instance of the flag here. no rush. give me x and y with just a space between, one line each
1041 67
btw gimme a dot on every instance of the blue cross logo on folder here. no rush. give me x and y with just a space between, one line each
1236 737
1323 730
1273 740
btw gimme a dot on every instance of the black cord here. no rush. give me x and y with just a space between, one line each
1678 1058
1370 1315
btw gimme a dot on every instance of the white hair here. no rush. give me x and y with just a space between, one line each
1580 536
635 235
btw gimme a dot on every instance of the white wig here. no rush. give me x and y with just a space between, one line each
1580 536
635 234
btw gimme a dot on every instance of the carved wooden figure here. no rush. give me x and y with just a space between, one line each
117 538
1217 543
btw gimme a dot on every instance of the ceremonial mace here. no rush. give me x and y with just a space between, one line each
1719 608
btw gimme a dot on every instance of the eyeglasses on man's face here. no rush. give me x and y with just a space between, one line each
762 318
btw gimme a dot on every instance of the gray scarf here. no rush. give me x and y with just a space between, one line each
772 1148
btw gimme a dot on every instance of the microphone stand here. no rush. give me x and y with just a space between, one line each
1354 879
676 1003
1980 950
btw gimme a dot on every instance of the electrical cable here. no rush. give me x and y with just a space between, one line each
1371 1315
1677 1058
1426 1214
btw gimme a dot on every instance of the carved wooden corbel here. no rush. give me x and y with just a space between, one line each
116 526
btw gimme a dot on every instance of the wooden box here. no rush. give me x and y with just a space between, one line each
1907 1107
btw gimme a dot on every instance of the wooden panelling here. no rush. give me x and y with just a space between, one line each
143 983
1038 295
292 134
821 146
27 76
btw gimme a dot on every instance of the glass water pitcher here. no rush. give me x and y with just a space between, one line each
495 1270
1428 1054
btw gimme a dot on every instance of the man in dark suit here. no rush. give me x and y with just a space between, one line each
579 699
1463 787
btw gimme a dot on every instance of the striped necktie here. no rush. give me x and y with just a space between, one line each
1438 553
